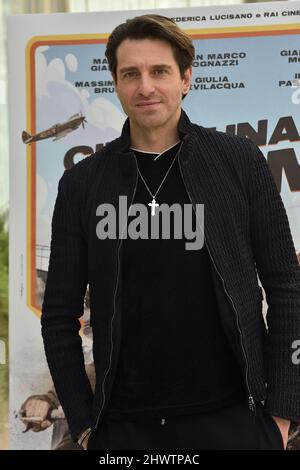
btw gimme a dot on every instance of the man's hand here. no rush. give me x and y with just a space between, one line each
284 425
39 409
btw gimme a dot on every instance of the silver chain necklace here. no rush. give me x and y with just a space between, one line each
154 204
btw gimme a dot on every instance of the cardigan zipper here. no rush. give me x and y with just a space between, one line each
251 401
114 305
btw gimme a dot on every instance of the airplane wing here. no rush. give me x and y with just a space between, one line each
74 117
63 134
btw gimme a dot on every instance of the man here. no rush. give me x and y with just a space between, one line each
182 355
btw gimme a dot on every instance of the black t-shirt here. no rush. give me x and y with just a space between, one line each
174 357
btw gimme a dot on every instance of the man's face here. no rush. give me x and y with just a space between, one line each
148 83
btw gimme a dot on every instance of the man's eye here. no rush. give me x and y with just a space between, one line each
160 71
130 74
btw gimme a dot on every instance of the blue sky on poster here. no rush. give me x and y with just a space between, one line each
261 98
59 67
57 70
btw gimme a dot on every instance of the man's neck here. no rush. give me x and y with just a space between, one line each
153 140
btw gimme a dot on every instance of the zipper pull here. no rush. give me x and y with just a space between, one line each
162 421
252 406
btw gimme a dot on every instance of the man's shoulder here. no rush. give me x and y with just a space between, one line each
219 138
91 166
228 150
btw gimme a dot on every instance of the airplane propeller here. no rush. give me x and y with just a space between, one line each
83 120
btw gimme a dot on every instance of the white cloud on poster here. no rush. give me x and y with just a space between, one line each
102 113
40 73
56 71
51 85
71 62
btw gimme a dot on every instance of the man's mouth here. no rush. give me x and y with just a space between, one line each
144 104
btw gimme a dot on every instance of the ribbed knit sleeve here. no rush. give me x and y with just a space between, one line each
279 271
62 307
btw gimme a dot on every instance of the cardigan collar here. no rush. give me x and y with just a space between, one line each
185 130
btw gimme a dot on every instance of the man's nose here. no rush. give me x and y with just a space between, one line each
146 85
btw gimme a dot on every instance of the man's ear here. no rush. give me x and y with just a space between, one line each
186 81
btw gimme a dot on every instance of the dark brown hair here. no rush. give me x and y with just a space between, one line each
152 27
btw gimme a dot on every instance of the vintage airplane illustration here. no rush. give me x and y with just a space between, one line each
58 131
